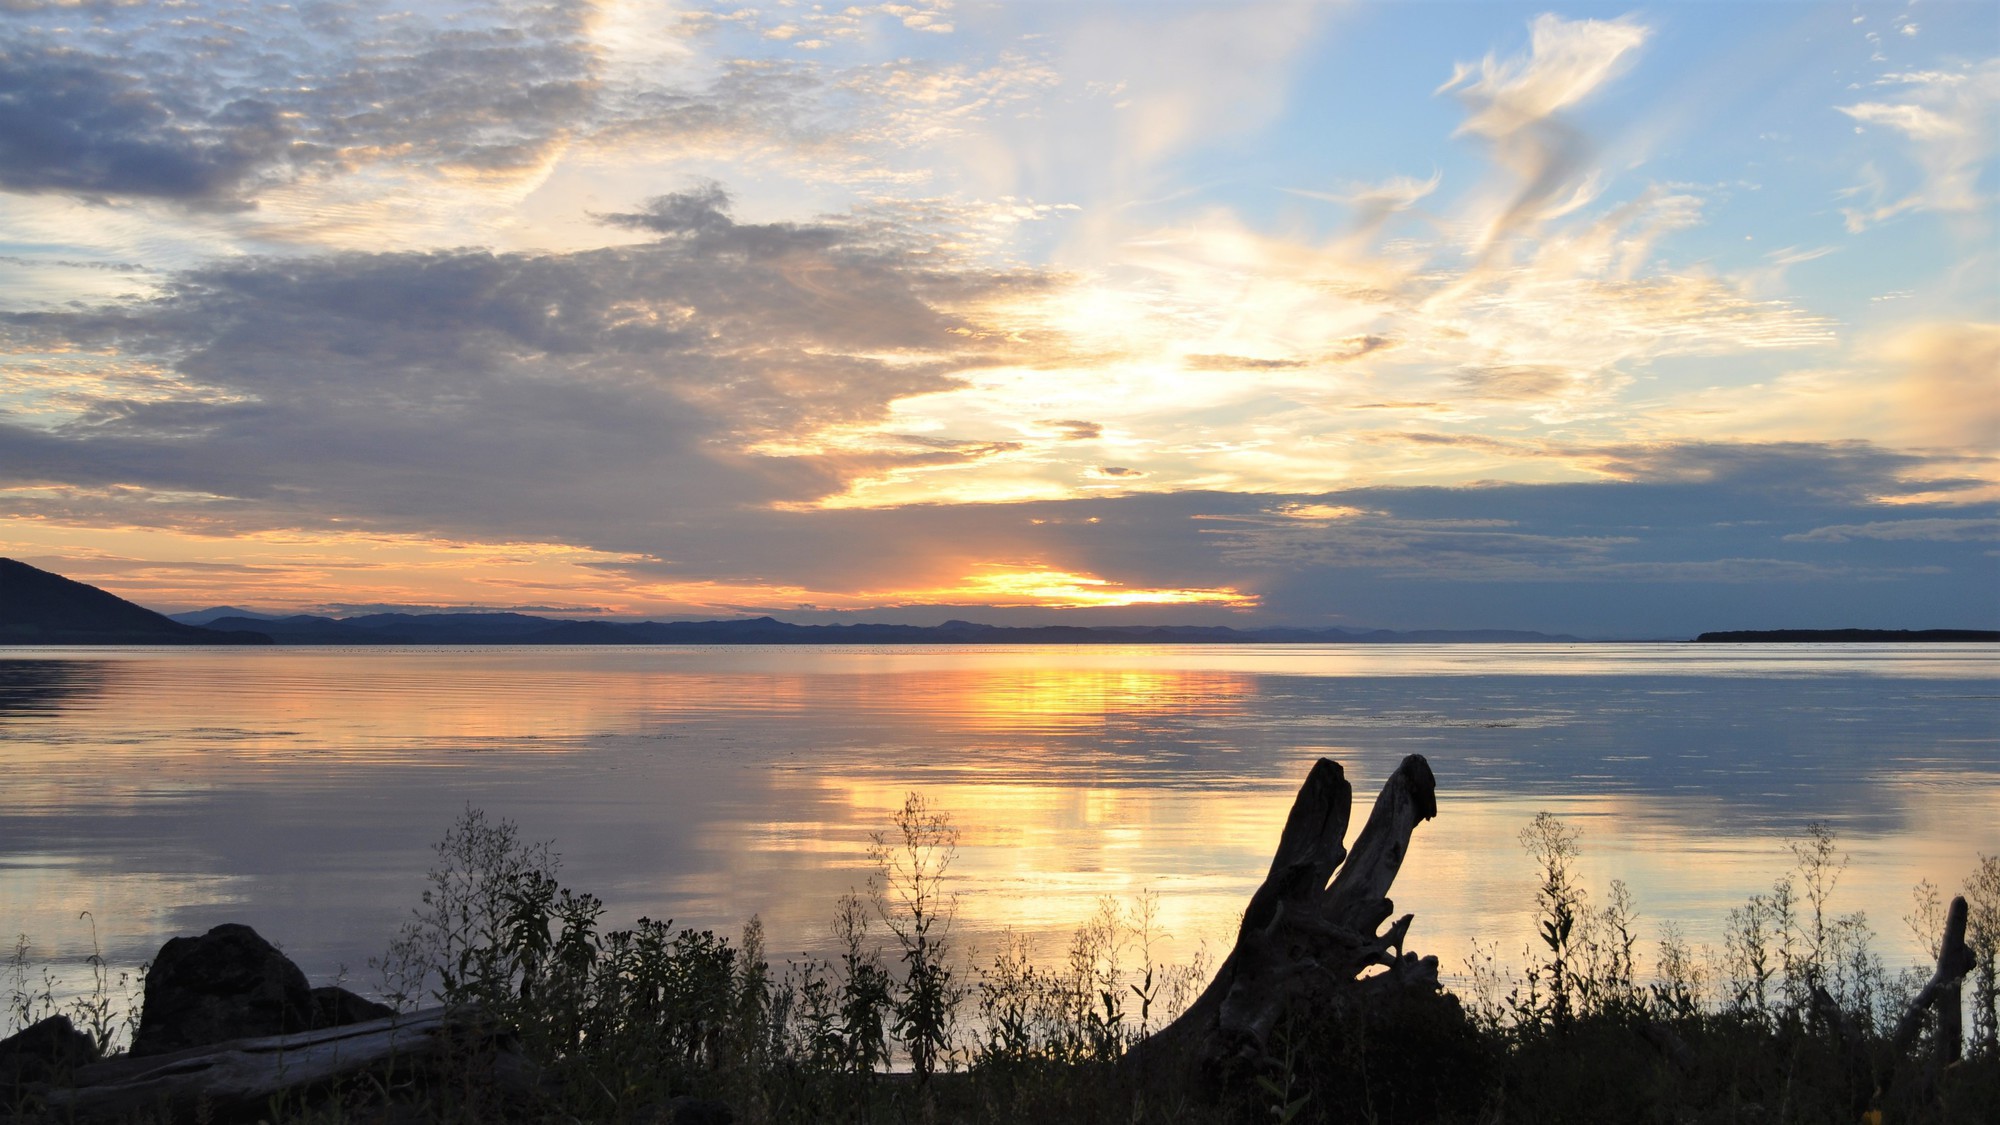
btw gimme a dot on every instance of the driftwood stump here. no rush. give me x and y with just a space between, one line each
1955 960
1311 935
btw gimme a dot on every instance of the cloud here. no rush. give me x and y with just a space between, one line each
1842 471
1728 522
463 97
1517 105
1513 382
1355 347
185 106
1373 205
80 123
1938 530
569 397
1646 555
1071 429
1042 248
1118 101
1948 119
1190 76
1238 363
1944 383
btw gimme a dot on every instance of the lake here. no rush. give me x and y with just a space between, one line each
300 789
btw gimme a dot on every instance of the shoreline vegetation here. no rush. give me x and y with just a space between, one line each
537 1011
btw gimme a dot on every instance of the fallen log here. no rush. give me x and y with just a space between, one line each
242 1078
1311 936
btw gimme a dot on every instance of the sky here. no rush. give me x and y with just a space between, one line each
1608 320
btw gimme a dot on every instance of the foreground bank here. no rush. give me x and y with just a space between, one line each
516 1006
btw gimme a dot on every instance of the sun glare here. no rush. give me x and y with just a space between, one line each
1059 589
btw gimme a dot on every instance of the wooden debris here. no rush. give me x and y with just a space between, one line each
242 1077
1955 960
1312 931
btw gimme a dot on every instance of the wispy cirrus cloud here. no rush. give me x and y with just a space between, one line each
1518 104
1947 119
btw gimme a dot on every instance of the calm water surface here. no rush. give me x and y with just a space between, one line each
299 790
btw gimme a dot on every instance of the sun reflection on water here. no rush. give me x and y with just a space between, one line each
299 789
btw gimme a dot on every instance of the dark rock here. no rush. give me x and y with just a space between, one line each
228 983
43 1052
333 1006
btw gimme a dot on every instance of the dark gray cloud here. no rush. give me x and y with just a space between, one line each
1943 530
703 209
1703 515
207 109
1803 472
210 107
80 123
1632 558
504 394
485 98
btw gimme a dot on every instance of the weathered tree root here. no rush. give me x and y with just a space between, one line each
1955 960
1310 938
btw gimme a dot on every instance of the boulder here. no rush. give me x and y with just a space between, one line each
229 983
333 1006
43 1052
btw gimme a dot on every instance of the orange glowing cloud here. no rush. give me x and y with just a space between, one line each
1001 584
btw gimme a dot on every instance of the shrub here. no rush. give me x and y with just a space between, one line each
918 909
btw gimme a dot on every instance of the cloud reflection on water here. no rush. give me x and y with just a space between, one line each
299 789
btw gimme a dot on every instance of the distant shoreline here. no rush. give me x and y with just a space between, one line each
40 608
1849 636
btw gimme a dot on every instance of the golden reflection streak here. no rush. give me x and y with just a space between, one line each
1047 830
1037 859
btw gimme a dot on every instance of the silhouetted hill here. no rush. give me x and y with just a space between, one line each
518 628
37 607
1846 636
305 629
209 615
40 608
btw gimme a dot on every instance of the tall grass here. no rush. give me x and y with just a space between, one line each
1790 1020
1787 1021
100 1002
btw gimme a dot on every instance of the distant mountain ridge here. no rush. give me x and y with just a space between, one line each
38 607
520 628
41 608
204 616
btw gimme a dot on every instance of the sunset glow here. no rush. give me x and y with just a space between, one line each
1573 318
1010 586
